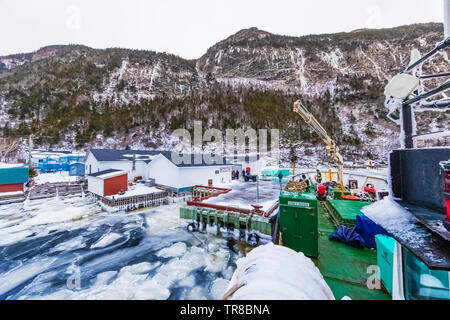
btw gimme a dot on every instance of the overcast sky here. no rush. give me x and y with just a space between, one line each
189 27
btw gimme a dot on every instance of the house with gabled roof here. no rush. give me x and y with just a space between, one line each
160 166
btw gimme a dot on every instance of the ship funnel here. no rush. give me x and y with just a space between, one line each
447 18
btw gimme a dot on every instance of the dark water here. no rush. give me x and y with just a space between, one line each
47 251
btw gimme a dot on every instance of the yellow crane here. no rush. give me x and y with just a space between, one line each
332 149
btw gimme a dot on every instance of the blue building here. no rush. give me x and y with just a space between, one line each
55 161
76 169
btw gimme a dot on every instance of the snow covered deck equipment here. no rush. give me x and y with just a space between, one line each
251 223
274 272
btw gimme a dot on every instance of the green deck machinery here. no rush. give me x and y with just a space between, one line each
299 222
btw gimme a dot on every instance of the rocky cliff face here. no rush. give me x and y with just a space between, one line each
313 64
78 96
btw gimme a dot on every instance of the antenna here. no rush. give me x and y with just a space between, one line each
446 18
401 92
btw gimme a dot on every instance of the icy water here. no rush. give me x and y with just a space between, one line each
67 249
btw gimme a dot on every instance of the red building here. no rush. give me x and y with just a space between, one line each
108 182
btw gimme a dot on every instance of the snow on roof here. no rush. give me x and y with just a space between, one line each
110 173
10 165
118 155
136 190
147 156
39 156
140 156
399 222
77 163
55 155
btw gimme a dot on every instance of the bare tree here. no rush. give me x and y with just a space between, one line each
8 147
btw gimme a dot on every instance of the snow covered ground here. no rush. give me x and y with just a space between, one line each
10 165
67 249
136 190
62 176
12 193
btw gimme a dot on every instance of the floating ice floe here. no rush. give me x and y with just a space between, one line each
141 255
176 250
106 240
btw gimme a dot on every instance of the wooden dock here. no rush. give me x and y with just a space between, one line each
133 202
50 190
45 191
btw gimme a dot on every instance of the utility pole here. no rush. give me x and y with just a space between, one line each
30 147
257 188
257 177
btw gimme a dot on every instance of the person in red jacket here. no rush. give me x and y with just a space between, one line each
321 192
369 188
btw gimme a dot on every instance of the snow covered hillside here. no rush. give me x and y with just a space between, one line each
78 97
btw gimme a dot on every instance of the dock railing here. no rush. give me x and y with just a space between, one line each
139 201
373 176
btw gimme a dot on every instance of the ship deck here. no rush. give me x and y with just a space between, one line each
343 267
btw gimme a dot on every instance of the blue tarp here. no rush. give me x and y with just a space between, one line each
368 230
348 236
52 164
49 167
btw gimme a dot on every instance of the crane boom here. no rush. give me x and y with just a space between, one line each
332 149
311 121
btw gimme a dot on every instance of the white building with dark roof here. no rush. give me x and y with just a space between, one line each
159 165
108 182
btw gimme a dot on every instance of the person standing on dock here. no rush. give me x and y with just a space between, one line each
280 177
319 177
306 180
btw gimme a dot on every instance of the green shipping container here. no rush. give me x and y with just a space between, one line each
299 222
385 259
